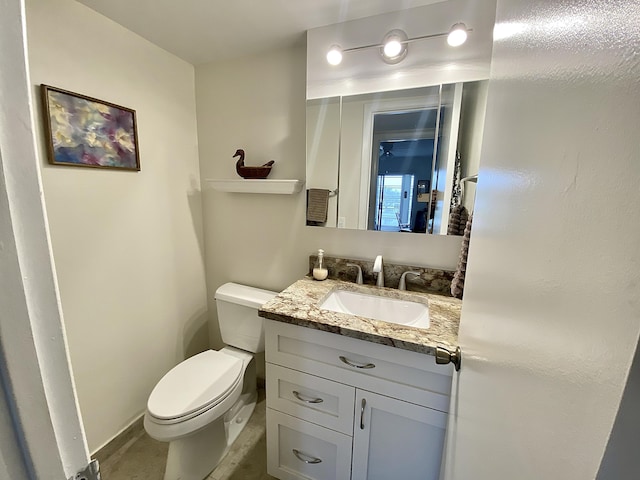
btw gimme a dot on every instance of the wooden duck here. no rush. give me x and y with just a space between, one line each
251 172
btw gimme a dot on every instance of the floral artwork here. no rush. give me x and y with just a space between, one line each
87 132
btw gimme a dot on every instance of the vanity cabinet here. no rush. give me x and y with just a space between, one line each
341 408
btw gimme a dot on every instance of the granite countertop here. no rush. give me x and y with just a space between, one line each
298 305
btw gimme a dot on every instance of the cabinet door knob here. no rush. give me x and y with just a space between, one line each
362 405
444 356
303 457
306 400
355 365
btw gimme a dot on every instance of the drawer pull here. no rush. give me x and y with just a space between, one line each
351 364
305 458
364 404
306 400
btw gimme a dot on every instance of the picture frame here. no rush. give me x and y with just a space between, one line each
83 131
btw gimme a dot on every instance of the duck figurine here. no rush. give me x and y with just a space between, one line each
251 172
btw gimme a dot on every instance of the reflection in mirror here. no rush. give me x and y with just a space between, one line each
399 158
387 148
323 160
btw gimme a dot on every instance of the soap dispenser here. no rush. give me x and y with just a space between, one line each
320 272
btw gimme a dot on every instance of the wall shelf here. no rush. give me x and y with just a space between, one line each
275 186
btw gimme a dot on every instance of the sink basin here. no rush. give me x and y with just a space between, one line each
392 310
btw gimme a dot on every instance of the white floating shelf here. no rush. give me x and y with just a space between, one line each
283 187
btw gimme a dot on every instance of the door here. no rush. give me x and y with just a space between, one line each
550 316
396 439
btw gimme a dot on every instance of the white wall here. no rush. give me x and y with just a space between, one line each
127 246
258 103
551 316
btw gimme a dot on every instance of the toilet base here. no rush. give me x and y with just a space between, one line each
195 456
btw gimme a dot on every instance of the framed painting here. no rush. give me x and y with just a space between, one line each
86 132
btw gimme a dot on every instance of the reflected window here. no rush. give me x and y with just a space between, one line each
394 202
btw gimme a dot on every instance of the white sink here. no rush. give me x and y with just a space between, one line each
401 312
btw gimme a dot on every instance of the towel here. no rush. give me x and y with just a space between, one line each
317 205
457 284
457 220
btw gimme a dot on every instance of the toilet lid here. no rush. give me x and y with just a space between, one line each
198 382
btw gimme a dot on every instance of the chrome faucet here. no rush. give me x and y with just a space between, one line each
377 268
359 276
403 282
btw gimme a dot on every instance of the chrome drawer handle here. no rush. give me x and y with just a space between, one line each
351 364
309 459
306 400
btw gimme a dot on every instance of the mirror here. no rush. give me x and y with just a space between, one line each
397 160
395 147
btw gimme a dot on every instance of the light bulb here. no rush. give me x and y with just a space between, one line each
334 55
392 48
458 35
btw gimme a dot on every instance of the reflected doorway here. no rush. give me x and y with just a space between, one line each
400 184
402 151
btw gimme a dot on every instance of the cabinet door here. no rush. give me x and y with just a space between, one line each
396 439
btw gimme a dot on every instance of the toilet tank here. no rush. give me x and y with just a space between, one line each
240 325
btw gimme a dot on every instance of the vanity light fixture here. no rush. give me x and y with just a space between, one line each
395 44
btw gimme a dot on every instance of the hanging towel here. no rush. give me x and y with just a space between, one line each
457 284
457 220
317 205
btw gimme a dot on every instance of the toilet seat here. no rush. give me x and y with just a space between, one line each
194 387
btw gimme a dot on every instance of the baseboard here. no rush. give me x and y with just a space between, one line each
116 443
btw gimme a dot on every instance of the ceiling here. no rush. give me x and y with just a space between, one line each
202 31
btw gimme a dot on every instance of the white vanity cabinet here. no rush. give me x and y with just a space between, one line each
341 408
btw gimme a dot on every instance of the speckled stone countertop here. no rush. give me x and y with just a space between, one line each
298 305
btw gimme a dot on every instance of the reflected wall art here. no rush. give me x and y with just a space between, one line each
86 132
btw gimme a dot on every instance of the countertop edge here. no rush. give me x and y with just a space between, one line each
297 305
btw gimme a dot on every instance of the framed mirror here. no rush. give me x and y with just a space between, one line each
395 147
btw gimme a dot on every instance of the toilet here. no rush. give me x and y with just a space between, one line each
202 404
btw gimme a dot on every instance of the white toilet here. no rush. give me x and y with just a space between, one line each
201 405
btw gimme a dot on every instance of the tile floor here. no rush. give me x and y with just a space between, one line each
142 458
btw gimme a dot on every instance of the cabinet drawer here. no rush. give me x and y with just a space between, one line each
310 398
415 376
301 450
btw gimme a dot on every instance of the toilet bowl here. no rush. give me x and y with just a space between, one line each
202 404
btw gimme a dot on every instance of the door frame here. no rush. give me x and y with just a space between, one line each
36 373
